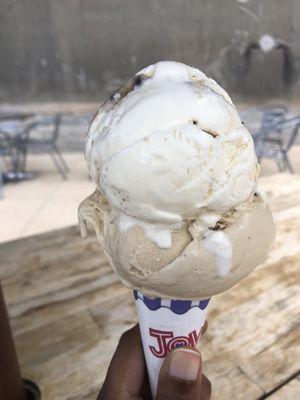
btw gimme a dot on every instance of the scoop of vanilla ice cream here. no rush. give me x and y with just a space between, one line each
172 146
176 207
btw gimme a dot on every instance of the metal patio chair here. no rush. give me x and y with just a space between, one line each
258 119
84 119
40 136
6 150
274 142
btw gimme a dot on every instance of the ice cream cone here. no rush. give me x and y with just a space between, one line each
177 204
166 324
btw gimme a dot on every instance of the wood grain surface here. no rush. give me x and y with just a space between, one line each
67 310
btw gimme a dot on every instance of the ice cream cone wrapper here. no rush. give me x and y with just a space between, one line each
166 325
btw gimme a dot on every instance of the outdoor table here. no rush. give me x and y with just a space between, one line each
15 116
67 310
12 123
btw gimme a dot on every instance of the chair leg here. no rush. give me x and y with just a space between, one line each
288 163
1 186
63 162
1 179
20 159
24 160
58 165
16 160
280 165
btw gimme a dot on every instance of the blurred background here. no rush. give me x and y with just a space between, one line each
60 59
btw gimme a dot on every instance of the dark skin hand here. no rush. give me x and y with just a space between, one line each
180 376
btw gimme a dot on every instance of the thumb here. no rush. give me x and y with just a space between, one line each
180 375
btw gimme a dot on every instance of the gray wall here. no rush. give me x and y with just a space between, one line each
83 49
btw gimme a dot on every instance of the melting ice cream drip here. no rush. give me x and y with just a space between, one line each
218 244
160 235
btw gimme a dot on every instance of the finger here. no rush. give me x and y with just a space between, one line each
180 375
205 388
126 373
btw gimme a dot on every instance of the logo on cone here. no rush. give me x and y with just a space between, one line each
167 342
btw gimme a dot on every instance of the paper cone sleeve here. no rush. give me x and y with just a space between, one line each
166 325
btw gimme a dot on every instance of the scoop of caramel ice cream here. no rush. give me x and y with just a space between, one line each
200 263
177 208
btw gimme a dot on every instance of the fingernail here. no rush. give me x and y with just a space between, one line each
184 364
